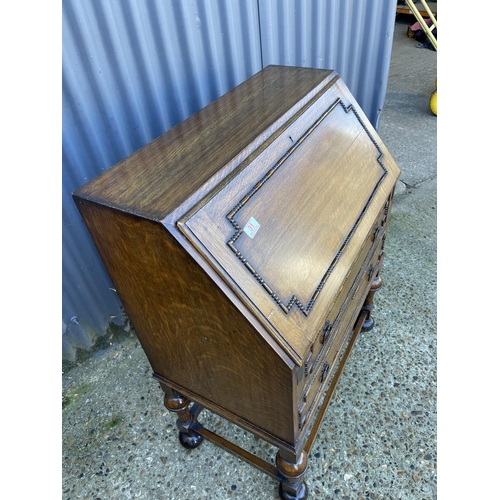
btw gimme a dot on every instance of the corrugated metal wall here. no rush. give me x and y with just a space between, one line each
133 69
354 37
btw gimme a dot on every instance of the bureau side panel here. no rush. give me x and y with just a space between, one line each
191 333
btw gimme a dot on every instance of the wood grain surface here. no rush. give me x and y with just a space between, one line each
191 334
153 181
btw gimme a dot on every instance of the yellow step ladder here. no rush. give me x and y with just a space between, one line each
428 31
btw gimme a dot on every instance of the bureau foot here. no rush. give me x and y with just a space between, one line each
292 486
190 440
368 305
301 495
179 404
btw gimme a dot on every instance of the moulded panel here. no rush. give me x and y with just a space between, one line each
287 226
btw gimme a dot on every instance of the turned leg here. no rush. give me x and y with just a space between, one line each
368 305
292 470
179 404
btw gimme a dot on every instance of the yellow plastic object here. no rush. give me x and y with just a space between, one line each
434 102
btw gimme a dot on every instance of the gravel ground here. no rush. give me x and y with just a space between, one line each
378 439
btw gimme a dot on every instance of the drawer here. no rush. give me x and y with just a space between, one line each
338 327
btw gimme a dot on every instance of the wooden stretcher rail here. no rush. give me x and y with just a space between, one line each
237 451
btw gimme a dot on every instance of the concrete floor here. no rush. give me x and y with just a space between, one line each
378 440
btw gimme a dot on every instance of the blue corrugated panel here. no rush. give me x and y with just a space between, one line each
353 37
134 69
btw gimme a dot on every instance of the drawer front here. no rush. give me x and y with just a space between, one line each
339 324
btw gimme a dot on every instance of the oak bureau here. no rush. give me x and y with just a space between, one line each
245 245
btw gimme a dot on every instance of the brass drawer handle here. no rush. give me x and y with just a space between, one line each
370 273
376 232
324 372
301 410
307 363
327 329
301 422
